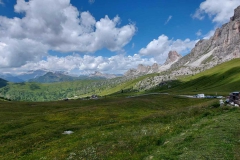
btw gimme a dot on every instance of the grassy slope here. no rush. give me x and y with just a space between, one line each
151 127
125 86
55 91
222 79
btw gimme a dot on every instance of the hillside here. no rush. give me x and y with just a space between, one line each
11 78
222 79
31 91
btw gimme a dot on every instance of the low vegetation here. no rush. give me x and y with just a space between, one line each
116 127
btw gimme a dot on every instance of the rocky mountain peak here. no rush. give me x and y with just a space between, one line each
155 67
96 73
223 46
103 75
141 68
236 14
172 57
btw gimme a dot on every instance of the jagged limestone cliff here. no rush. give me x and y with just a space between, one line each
173 57
223 46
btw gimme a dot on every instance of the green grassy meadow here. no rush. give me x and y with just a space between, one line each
221 80
145 127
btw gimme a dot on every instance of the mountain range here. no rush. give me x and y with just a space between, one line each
173 57
46 76
23 77
51 77
223 46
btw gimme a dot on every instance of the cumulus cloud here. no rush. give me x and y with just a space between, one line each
169 18
219 11
15 53
57 25
159 48
199 32
86 64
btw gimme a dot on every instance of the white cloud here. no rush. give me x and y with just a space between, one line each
85 64
57 25
199 32
133 45
169 18
219 11
1 2
159 48
15 53
91 1
198 15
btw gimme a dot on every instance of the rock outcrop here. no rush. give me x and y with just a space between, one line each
236 14
102 75
142 69
173 56
223 46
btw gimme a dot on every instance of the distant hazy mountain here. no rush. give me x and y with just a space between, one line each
11 78
59 76
46 76
51 77
3 82
32 74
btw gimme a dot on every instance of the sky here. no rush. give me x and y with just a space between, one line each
110 36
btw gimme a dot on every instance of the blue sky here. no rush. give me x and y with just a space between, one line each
105 35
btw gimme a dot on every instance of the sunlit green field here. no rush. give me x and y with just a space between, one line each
145 127
221 80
